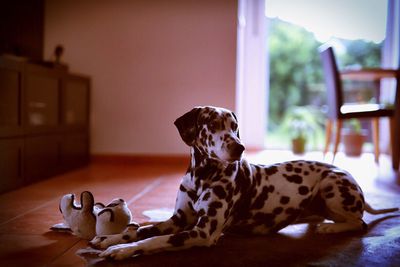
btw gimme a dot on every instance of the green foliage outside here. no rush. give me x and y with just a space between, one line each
296 79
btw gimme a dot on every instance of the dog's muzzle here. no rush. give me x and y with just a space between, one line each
236 151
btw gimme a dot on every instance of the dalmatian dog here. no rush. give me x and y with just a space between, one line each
223 193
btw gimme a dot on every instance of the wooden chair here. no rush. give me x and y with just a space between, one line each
340 111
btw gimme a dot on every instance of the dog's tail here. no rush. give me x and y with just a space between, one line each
371 210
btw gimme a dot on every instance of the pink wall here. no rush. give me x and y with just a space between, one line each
150 62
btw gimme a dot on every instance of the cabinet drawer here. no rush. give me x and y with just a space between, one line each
11 170
10 102
75 102
42 103
42 157
74 150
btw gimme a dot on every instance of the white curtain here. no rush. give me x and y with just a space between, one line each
252 72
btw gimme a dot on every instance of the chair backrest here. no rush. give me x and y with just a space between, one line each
332 81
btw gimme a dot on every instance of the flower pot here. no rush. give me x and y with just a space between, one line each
353 142
298 145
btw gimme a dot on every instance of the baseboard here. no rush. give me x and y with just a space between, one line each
140 159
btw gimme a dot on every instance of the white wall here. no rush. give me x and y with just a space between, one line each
150 62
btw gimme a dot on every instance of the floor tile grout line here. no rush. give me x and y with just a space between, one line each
146 190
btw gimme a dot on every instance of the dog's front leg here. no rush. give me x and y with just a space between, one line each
184 216
212 217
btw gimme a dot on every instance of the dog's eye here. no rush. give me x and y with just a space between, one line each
234 126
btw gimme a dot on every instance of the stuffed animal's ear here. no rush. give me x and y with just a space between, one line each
234 115
187 126
106 214
87 201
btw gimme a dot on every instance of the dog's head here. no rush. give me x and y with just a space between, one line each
213 131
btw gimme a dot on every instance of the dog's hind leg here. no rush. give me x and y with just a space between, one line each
344 204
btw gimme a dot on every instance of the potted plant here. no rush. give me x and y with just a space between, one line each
299 137
353 138
302 123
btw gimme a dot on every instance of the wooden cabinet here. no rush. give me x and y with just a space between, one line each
44 122
11 163
11 81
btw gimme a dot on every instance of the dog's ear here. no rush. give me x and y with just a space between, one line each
234 115
187 126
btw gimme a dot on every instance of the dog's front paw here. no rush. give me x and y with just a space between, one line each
120 252
104 241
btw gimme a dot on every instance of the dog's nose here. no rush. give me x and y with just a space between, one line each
237 150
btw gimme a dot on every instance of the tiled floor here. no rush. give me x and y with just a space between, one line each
26 214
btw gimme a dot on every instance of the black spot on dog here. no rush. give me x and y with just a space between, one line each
289 167
261 198
192 195
324 174
348 200
144 233
126 237
193 234
229 170
297 170
212 212
182 188
297 179
202 234
201 213
202 222
278 210
219 191
206 196
303 190
179 239
271 170
284 200
215 205
180 220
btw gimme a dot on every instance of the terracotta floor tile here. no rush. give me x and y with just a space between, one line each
69 258
33 250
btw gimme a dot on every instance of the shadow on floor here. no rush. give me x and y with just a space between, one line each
294 246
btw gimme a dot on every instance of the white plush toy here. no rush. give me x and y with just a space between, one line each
87 219
113 218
